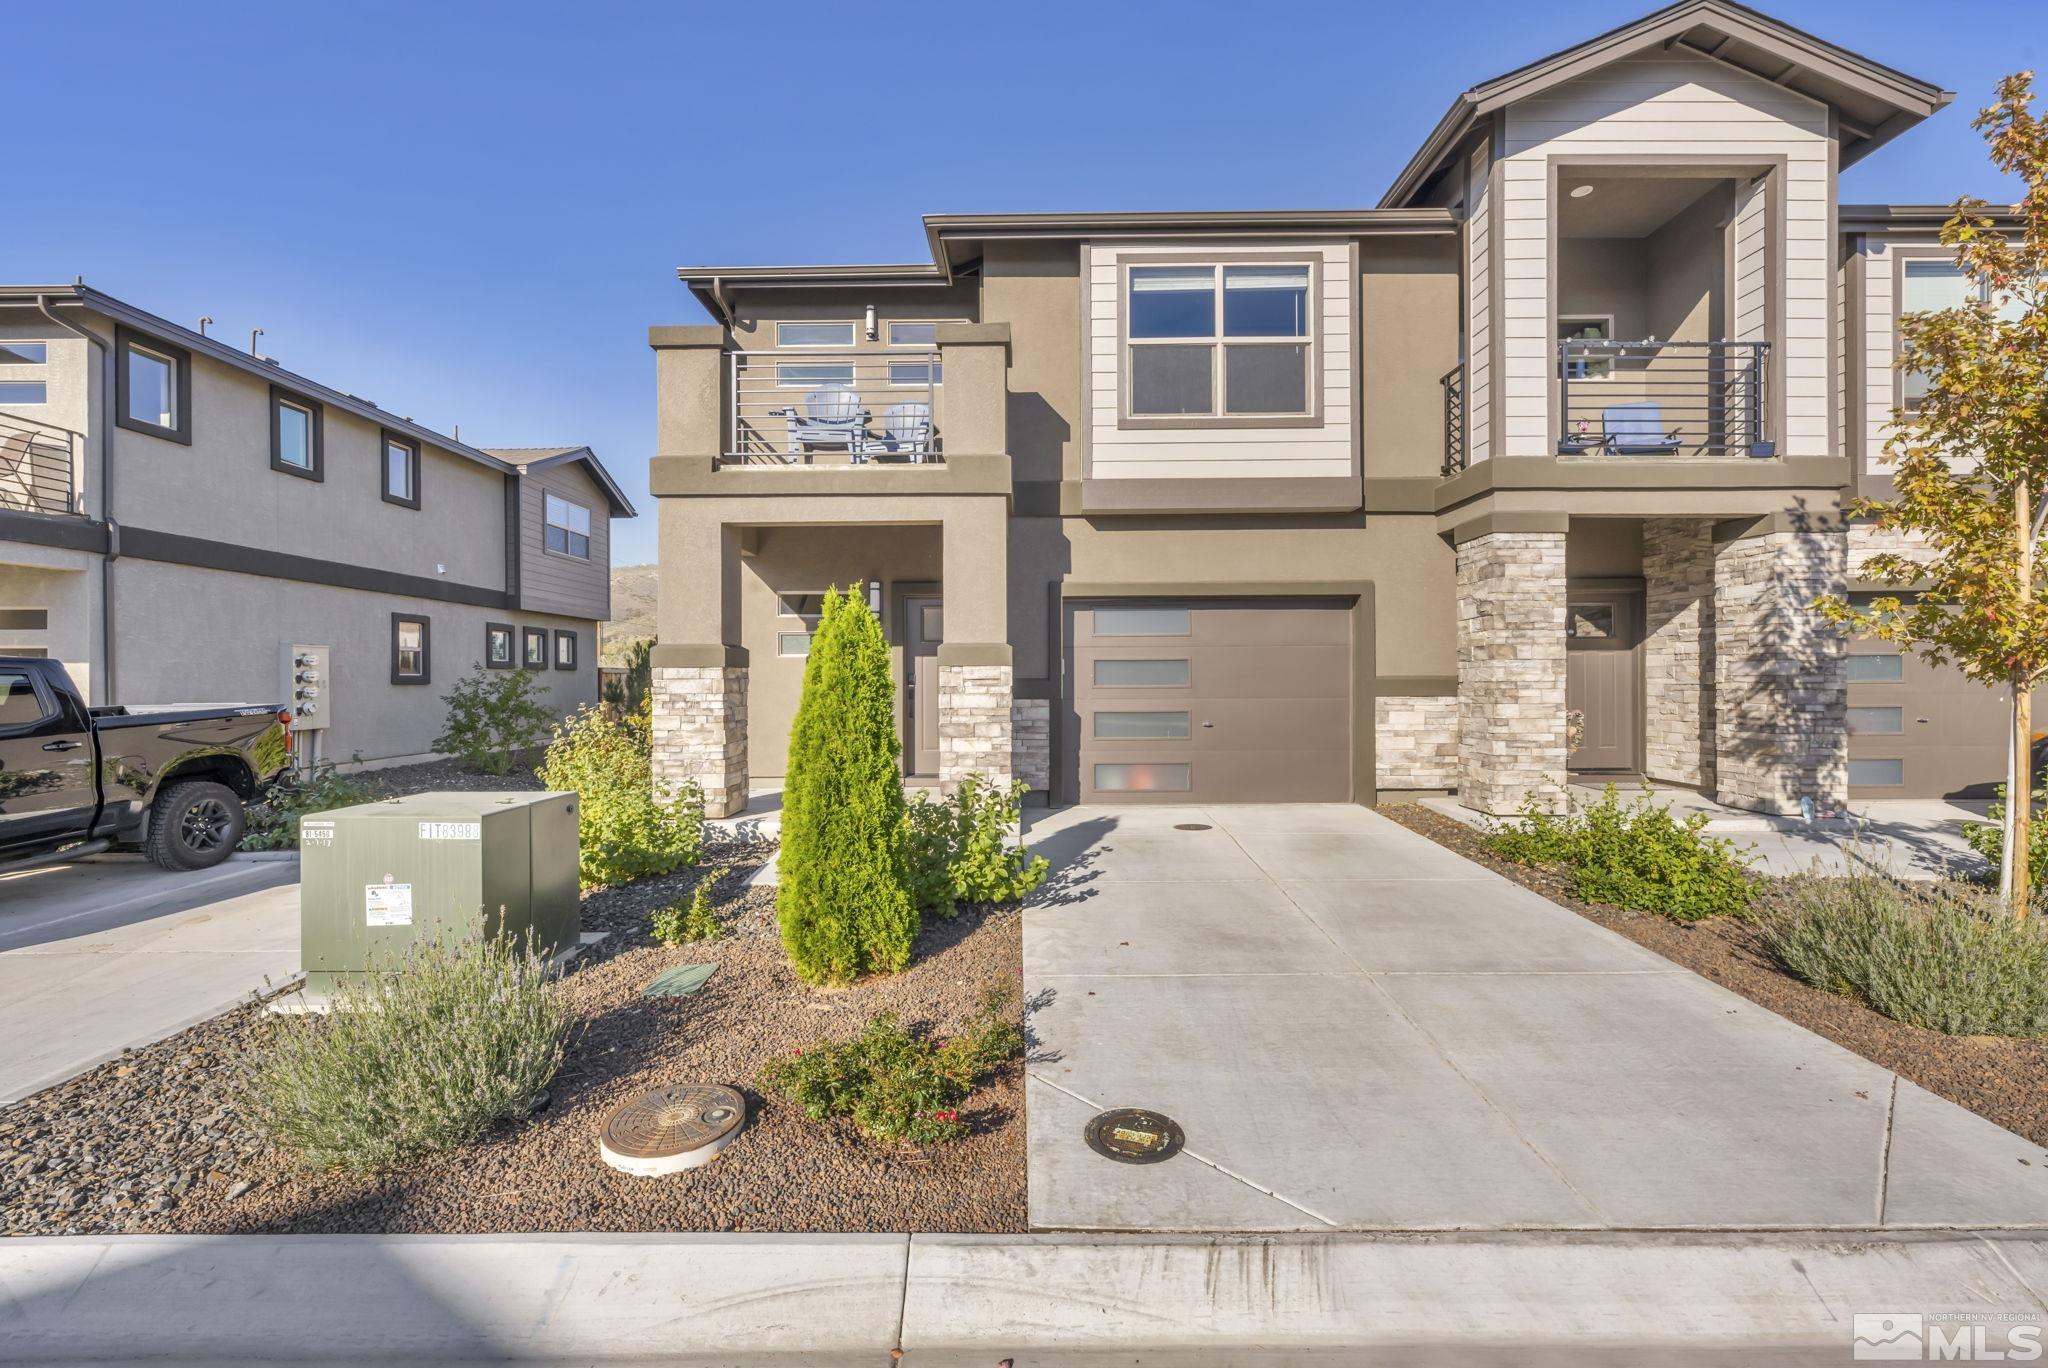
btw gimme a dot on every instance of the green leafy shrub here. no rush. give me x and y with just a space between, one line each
695 920
1637 856
493 715
1987 838
627 832
842 901
628 694
893 1083
1943 955
958 848
423 1059
273 823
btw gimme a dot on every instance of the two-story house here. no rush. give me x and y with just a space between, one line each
1533 469
181 520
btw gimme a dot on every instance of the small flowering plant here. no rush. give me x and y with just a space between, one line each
894 1083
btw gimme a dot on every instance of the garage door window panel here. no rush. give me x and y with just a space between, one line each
1143 674
1142 622
1142 778
1143 726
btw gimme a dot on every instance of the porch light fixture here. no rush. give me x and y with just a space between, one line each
871 329
875 597
1581 191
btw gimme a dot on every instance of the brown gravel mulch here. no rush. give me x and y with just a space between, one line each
2001 1079
152 1142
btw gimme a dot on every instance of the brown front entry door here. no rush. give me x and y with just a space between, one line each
923 633
1602 635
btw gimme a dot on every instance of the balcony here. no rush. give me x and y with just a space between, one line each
800 406
38 466
1655 399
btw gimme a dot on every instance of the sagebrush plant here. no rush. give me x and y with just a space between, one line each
1942 955
695 920
492 716
273 822
894 1083
959 848
1988 838
627 832
458 1036
842 897
1636 855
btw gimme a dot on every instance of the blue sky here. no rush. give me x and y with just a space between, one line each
470 213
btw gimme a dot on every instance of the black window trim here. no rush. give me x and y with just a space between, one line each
511 646
386 439
564 634
527 634
125 340
426 625
279 397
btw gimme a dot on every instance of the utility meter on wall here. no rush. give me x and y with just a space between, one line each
307 688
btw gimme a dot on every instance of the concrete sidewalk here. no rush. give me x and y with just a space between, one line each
1360 1029
971 1300
110 953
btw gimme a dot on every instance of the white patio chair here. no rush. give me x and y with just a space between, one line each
831 417
907 430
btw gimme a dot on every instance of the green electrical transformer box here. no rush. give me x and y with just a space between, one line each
376 878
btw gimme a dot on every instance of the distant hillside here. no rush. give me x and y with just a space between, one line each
632 611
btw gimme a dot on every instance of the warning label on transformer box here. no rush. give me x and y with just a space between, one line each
388 904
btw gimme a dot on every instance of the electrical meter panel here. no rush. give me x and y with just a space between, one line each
308 686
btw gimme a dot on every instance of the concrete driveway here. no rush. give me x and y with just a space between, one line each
1359 1029
110 953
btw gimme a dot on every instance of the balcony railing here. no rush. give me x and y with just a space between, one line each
1454 420
38 465
802 407
1673 399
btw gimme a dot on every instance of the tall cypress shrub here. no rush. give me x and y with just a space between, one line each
842 898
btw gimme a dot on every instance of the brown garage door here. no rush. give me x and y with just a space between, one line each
1237 702
1922 731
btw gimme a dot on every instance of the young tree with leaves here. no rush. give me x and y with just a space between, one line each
1970 462
842 896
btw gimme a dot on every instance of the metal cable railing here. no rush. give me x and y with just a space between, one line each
1651 398
804 407
38 466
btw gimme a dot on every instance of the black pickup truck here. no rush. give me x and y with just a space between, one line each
74 780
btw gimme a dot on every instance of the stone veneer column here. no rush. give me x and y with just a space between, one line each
1511 670
700 733
1780 684
975 728
1678 650
1031 742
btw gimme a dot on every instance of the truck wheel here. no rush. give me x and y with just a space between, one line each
194 825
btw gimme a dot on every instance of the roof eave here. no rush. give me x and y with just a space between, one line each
621 506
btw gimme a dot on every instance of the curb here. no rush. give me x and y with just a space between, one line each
1734 1298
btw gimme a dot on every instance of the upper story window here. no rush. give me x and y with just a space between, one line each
1929 285
1224 341
16 388
152 387
295 435
400 470
812 374
925 372
567 527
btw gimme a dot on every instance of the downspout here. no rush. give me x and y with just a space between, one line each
106 410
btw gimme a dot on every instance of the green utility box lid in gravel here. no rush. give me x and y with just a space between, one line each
376 878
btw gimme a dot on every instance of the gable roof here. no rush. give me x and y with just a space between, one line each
1873 103
539 458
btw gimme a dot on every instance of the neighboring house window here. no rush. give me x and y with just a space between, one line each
811 374
401 471
568 527
805 608
14 390
533 647
565 650
1927 286
498 646
410 659
296 437
1587 329
152 387
928 372
1219 341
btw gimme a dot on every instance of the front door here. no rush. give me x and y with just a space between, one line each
924 630
1602 635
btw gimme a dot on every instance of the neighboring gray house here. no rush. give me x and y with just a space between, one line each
177 514
1285 505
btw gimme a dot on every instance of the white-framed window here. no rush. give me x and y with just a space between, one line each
16 388
567 527
294 434
815 334
1586 328
24 392
152 386
24 353
805 607
808 375
401 471
411 658
1220 340
1928 285
918 373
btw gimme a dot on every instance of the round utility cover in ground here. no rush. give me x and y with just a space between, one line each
1192 826
672 1129
1132 1135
